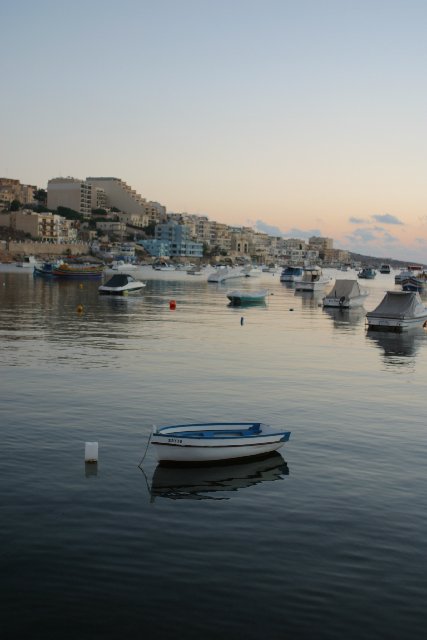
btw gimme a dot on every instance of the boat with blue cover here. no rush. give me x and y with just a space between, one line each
215 441
368 273
292 274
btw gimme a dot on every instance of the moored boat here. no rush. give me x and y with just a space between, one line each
398 311
223 273
27 262
291 274
385 268
78 271
121 284
313 279
368 273
238 298
415 282
345 294
46 269
215 441
404 274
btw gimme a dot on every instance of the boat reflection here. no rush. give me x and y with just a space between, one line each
397 346
201 482
344 318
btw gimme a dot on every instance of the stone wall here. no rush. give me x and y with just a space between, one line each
27 247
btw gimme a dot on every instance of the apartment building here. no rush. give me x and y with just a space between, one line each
179 238
121 196
11 189
70 192
41 226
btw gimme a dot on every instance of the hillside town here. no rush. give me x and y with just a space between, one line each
106 217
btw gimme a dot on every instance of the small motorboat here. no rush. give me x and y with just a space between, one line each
398 311
121 265
291 274
385 268
313 279
46 269
215 441
345 294
238 298
28 262
368 273
121 284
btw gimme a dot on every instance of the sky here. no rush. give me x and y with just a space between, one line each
295 117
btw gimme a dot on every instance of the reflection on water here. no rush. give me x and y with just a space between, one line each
399 348
345 318
198 483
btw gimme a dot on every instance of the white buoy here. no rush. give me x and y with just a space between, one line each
91 452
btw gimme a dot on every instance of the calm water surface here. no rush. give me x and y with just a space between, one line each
325 539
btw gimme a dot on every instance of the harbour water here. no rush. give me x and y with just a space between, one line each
325 539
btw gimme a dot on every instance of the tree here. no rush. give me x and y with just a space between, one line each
70 214
149 229
15 205
41 196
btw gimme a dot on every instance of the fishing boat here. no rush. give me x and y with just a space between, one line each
238 298
313 279
78 271
367 273
415 282
398 311
408 272
345 294
46 269
291 274
215 441
121 284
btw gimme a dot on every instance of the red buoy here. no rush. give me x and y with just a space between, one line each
172 304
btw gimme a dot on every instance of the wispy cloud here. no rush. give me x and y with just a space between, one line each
372 241
353 220
300 233
264 227
386 218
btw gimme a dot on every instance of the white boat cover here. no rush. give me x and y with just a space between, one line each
399 304
346 289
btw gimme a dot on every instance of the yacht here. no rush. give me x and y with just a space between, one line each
313 279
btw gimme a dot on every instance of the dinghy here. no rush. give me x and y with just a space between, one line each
215 441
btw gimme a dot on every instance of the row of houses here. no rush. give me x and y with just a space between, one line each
126 213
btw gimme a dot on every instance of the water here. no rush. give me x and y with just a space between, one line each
325 539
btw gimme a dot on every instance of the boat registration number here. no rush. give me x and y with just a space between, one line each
174 440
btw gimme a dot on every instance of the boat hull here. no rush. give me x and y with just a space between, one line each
344 304
398 325
194 444
76 273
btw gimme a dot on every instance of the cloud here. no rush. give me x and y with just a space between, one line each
358 220
299 233
386 218
264 227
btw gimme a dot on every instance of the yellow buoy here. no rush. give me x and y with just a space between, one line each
80 308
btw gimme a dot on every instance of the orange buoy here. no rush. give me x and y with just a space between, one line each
172 304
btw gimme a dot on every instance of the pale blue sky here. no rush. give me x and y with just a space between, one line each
301 117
